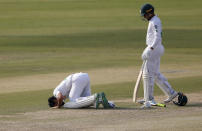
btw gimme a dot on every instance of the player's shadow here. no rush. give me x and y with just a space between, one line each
116 108
133 108
194 104
121 108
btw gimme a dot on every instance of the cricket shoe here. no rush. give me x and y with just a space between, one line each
170 98
152 102
98 100
105 102
111 104
146 105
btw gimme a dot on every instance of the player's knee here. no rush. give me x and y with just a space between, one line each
160 77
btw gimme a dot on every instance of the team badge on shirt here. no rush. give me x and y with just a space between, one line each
156 28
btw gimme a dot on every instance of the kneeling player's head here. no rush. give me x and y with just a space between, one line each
52 101
147 11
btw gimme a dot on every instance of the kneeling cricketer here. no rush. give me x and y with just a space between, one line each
76 87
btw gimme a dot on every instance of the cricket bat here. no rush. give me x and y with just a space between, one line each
137 85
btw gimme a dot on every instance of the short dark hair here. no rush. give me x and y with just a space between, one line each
51 101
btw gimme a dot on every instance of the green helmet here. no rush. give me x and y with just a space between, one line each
146 8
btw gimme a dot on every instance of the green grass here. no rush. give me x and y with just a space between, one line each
12 103
48 60
125 90
51 36
58 36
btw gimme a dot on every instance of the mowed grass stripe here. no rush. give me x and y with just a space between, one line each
115 38
23 61
29 101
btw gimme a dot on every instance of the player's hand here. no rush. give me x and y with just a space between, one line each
55 107
147 53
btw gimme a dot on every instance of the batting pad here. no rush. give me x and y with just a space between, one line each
81 102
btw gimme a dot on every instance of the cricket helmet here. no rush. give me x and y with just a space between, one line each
146 8
182 100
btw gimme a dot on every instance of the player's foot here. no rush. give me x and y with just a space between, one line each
111 104
170 98
152 102
98 101
104 100
141 101
146 105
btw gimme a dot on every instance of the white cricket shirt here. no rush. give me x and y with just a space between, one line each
64 87
154 32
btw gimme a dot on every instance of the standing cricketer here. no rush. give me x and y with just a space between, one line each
76 87
151 56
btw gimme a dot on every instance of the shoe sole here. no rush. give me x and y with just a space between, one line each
142 102
145 107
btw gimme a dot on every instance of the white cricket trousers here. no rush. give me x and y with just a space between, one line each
151 74
80 86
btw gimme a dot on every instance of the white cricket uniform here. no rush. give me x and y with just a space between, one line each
151 71
74 86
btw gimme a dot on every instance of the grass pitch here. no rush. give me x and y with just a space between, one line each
57 36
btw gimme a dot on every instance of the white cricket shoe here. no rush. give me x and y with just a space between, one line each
146 105
152 102
170 98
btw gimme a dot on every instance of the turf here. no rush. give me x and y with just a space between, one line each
21 102
51 36
42 36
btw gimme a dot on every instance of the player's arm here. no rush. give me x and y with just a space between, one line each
60 99
157 35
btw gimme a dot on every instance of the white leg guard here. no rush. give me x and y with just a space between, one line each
147 88
163 84
148 84
81 102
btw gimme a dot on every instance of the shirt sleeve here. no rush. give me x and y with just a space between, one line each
56 92
56 95
157 34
